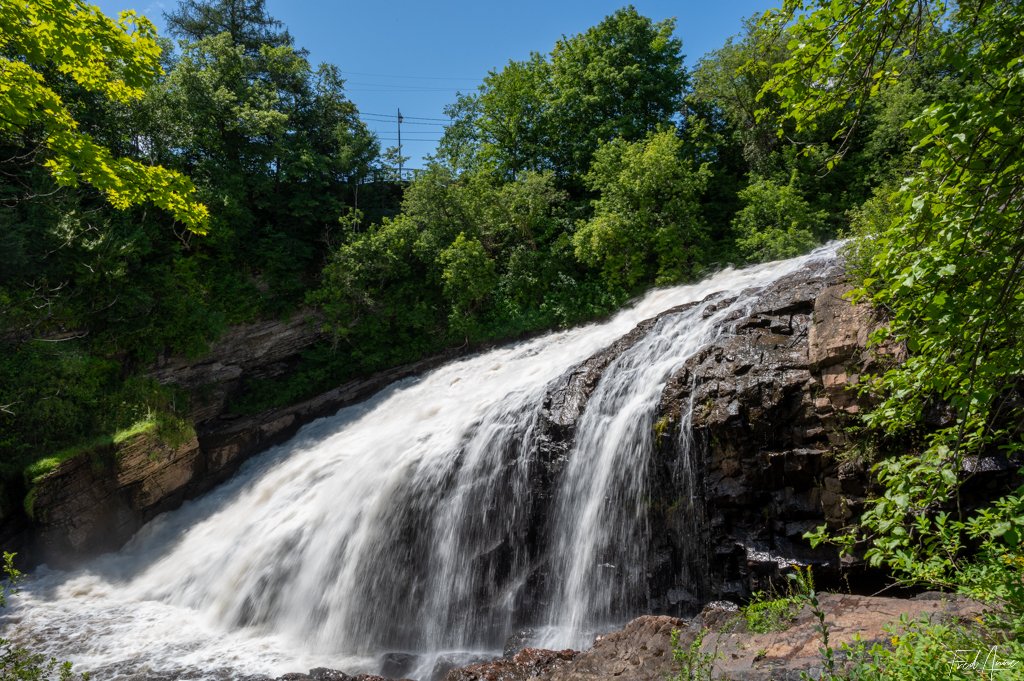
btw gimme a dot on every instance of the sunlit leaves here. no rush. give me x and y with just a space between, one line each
947 263
116 59
646 224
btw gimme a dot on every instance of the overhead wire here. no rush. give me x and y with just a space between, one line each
405 77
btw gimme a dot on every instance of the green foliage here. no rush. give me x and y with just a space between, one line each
60 402
90 296
623 78
941 256
775 222
468 276
946 265
695 664
471 258
936 651
646 223
765 613
724 99
511 113
115 60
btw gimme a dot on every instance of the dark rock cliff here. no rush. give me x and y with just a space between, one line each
767 407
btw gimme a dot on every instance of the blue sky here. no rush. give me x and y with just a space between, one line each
416 55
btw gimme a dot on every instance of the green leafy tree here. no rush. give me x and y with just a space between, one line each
945 263
510 113
468 275
724 101
116 60
775 222
275 144
647 223
622 78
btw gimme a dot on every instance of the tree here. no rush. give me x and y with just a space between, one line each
116 60
775 222
622 78
246 21
946 266
468 276
726 85
274 143
646 223
510 117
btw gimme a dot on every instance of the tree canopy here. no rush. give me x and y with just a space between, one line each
622 78
115 59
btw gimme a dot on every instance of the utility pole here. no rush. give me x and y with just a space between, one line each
399 145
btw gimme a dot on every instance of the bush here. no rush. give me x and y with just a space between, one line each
775 222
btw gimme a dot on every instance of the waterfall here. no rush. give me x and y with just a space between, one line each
411 522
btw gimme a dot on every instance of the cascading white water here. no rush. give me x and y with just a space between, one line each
599 522
402 523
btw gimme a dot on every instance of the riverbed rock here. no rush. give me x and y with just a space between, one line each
643 650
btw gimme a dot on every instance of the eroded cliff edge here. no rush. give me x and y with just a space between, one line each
95 502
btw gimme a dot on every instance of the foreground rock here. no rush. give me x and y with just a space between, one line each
642 651
786 655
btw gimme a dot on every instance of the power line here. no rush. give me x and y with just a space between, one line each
405 118
429 125
398 86
386 75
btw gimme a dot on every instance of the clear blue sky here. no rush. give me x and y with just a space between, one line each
416 55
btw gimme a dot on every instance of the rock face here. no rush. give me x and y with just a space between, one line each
263 349
759 415
95 503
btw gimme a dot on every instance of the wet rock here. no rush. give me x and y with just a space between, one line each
517 641
324 674
397 664
767 403
527 664
641 651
